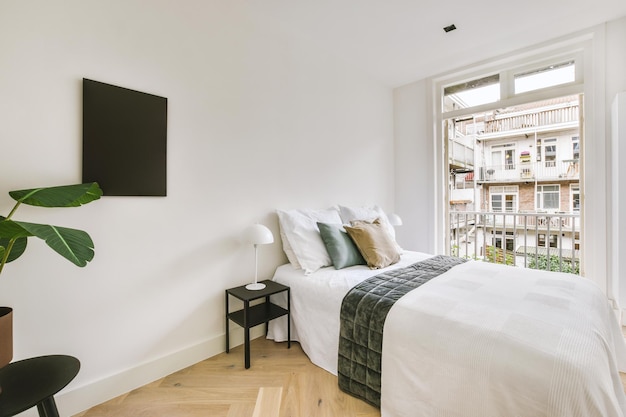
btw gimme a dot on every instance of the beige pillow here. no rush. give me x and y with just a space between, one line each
374 242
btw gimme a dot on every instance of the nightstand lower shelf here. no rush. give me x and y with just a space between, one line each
258 314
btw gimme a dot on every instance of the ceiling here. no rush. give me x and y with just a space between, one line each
401 41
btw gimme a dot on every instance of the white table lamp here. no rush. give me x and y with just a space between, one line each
257 234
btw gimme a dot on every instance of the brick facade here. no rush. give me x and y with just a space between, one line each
526 195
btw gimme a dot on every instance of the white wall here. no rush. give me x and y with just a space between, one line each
256 121
414 127
415 169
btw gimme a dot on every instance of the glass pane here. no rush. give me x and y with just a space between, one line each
472 93
545 77
575 147
575 198
509 157
510 203
550 155
553 241
496 203
541 240
550 200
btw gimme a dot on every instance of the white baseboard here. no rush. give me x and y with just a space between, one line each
78 399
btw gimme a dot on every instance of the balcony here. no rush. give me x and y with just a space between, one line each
567 169
529 240
556 114
560 114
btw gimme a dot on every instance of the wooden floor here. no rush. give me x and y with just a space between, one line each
280 383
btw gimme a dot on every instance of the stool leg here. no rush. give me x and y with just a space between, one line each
48 408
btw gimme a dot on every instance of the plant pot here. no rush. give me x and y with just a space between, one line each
6 335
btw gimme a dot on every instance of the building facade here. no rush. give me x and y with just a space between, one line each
515 192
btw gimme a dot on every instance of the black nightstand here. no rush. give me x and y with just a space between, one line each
261 313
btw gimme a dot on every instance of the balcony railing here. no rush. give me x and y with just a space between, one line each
522 121
565 113
529 240
530 171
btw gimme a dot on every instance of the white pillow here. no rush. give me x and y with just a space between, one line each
291 256
303 236
369 214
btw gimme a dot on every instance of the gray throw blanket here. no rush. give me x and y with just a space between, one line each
363 313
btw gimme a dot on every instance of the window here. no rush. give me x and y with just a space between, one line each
472 93
543 77
503 156
503 199
549 152
575 197
548 197
509 157
541 241
518 102
509 239
496 158
575 147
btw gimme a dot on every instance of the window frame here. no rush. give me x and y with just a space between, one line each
503 149
506 73
574 189
504 193
544 242
576 147
507 237
588 48
549 143
541 200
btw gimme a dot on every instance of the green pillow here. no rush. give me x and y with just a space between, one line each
342 250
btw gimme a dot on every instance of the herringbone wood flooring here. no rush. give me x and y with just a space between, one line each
221 387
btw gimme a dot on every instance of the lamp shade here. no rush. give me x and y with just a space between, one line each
394 219
257 234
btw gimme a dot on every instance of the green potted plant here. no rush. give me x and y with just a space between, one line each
74 245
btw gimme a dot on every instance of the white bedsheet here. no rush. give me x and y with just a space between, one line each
315 305
485 340
480 340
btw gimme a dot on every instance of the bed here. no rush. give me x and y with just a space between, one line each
478 339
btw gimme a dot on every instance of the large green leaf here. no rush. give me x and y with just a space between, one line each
12 230
74 245
61 196
16 251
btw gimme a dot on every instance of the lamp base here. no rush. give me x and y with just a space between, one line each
255 286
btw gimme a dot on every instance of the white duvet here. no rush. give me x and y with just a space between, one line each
480 340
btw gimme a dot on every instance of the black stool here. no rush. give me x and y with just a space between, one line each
33 382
